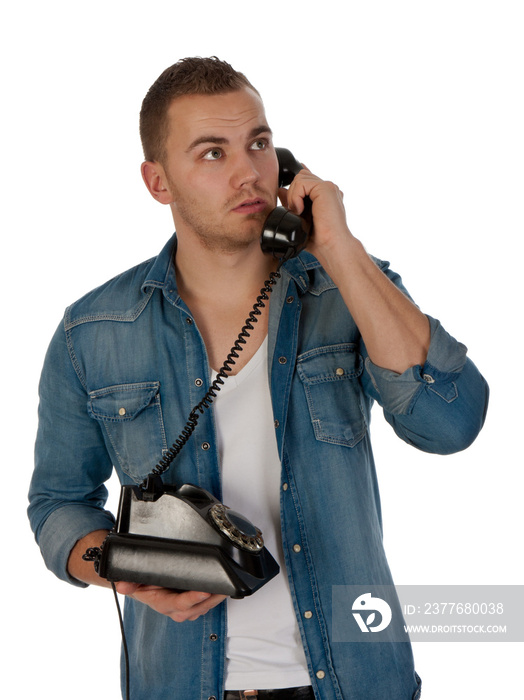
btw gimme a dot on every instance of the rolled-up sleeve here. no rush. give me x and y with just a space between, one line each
67 493
439 407
62 530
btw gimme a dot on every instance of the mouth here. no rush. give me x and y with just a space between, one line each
251 206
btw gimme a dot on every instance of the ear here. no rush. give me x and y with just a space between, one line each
156 181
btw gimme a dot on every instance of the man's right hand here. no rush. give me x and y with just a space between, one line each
180 607
188 605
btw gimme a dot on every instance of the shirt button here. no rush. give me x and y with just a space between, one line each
290 300
282 360
308 614
320 674
205 445
198 382
297 548
339 371
189 321
285 487
213 637
121 411
428 378
277 424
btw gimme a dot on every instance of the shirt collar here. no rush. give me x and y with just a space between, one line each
305 270
162 272
308 274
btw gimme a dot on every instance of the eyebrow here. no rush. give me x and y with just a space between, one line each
221 140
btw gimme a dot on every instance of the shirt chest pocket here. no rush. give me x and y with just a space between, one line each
336 403
130 416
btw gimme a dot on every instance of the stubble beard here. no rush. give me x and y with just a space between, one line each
219 238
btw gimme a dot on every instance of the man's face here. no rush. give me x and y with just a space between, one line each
221 168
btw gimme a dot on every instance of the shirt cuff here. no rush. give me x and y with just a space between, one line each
62 530
446 359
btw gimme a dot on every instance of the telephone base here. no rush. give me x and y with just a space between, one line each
177 565
186 540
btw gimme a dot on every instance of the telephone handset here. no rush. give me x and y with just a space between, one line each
285 234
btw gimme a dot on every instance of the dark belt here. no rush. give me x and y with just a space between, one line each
304 692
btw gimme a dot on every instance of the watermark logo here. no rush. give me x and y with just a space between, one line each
371 605
456 613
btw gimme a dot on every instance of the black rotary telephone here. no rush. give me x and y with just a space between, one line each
184 538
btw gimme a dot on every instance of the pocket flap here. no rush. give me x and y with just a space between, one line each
331 363
122 402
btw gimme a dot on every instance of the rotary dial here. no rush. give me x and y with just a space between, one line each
237 528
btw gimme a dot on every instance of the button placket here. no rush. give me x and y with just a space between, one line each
283 354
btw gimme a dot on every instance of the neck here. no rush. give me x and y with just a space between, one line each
220 290
204 274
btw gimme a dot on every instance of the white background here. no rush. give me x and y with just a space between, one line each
416 110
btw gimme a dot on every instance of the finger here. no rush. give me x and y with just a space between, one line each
190 599
188 605
282 195
302 186
164 599
126 588
202 608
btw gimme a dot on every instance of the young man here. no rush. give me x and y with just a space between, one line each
287 439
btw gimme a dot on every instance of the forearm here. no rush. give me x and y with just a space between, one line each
84 570
396 333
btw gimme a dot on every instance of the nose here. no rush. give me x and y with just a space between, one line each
243 171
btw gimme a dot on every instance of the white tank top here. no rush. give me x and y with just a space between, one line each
264 649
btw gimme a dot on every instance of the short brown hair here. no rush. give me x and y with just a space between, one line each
189 76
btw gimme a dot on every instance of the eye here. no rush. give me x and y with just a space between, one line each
259 145
212 154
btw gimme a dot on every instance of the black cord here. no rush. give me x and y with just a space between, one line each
211 393
192 422
124 641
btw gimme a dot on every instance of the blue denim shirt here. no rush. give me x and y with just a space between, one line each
133 343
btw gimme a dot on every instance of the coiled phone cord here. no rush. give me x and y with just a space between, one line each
192 421
215 387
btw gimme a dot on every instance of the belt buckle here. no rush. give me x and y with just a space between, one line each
246 694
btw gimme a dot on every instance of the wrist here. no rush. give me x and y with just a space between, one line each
80 569
342 254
